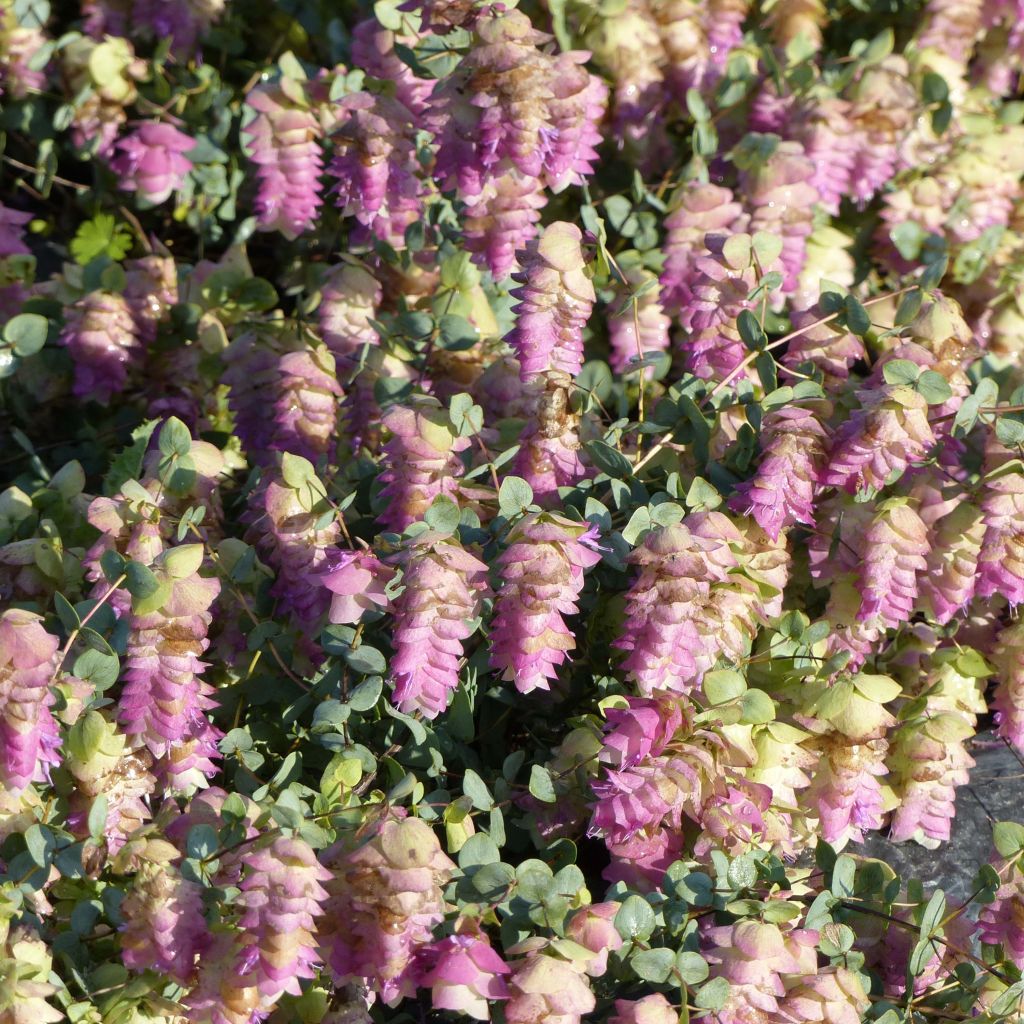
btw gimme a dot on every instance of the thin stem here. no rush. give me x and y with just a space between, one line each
81 625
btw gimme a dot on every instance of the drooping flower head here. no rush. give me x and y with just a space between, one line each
28 731
296 541
895 547
434 614
384 899
465 974
879 440
164 700
282 897
542 572
357 579
283 138
422 460
546 990
555 299
781 493
102 340
375 166
163 928
151 161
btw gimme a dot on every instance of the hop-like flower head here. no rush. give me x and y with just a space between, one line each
422 459
284 143
151 161
102 339
781 492
376 166
465 975
434 614
545 990
282 896
27 729
357 579
385 898
877 443
542 574
555 300
895 547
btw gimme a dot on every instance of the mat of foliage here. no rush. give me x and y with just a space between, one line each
499 501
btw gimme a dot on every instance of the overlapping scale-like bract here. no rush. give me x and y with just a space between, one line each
383 900
283 137
542 574
444 585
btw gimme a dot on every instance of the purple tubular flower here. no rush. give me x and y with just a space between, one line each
1001 562
422 460
306 410
373 50
782 197
164 927
151 161
102 340
284 141
704 209
1008 700
29 735
384 900
282 896
542 575
781 492
357 579
555 299
500 220
465 975
877 443
444 586
549 452
895 547
375 162
164 700
642 327
296 546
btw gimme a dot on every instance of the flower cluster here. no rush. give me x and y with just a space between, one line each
508 510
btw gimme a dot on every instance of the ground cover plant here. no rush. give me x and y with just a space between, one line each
499 500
